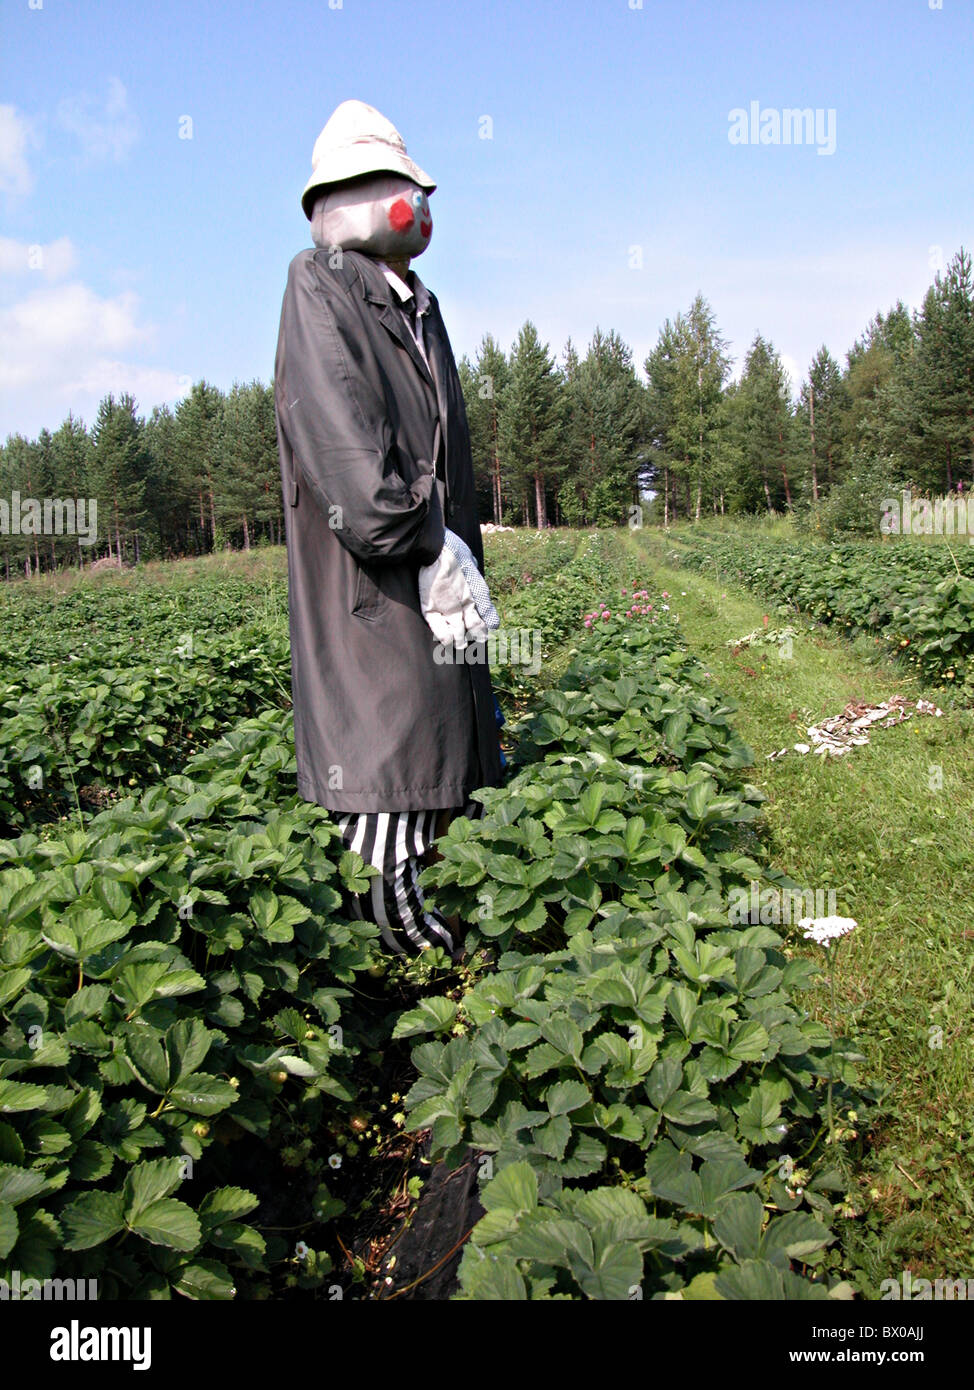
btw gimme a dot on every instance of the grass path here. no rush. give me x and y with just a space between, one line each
888 827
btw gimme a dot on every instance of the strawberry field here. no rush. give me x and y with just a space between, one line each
214 1084
916 601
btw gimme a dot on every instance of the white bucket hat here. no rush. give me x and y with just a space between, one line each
358 139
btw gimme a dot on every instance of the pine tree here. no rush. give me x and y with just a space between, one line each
821 402
687 371
661 368
169 489
269 510
119 465
199 419
70 448
484 384
604 433
764 424
20 463
874 363
929 420
531 418
241 463
570 499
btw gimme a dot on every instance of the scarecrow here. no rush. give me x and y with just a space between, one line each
395 721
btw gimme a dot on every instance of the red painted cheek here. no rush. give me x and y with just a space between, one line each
425 228
401 216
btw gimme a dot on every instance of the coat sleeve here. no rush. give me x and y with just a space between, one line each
464 519
339 429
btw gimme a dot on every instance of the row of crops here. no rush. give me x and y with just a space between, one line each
915 599
637 1069
177 958
72 733
111 685
127 619
205 1059
122 686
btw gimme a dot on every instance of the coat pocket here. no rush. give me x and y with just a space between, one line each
367 592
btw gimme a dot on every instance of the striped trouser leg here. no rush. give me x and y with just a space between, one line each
395 842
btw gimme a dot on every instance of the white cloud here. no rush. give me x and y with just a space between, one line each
53 259
15 135
149 385
66 347
107 131
52 320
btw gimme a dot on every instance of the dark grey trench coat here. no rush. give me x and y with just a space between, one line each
363 431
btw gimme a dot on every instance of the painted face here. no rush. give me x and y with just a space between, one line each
410 212
387 216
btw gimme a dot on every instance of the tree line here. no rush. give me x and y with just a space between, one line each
580 442
572 442
181 482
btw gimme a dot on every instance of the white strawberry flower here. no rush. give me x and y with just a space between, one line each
824 930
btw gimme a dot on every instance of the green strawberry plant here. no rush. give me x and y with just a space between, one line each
120 725
635 1069
165 976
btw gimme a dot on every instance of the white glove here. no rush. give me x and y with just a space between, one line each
447 591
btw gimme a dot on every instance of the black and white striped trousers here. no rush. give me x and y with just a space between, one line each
395 842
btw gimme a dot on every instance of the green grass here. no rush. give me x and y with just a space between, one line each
223 564
780 526
874 826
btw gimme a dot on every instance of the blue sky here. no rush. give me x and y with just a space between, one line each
164 259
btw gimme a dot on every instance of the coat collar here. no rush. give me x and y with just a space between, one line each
378 291
406 293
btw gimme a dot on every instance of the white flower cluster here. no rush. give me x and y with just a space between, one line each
824 930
